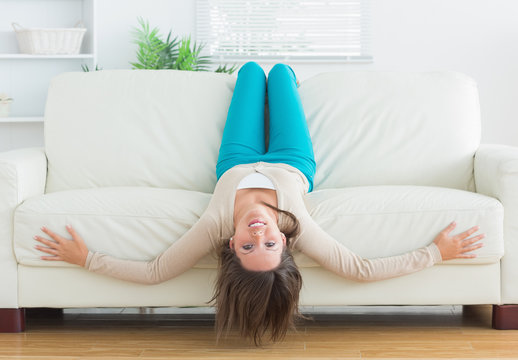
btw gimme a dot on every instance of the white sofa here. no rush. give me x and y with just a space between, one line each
129 160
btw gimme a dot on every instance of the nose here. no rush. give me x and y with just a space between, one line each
257 232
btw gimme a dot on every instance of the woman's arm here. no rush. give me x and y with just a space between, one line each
178 258
330 254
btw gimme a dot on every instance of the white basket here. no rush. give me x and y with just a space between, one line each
57 41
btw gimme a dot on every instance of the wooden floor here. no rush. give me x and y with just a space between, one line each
354 332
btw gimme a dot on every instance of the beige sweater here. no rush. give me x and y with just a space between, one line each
216 225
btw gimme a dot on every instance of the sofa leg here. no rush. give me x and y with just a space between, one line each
12 320
43 313
505 317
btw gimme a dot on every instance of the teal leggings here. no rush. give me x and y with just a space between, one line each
243 139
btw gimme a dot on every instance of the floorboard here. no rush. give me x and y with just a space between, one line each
333 333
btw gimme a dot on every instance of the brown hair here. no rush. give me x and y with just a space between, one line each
258 302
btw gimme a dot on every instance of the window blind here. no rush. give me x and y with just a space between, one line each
336 30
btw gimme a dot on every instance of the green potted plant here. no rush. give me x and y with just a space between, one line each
5 105
156 52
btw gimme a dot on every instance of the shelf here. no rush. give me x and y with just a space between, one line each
21 119
31 57
26 77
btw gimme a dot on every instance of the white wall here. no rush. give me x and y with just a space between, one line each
476 37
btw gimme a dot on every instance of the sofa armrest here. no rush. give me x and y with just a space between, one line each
22 175
24 172
496 175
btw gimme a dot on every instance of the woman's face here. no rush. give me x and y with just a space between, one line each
258 242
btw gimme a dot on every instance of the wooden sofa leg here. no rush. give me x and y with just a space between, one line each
505 317
12 320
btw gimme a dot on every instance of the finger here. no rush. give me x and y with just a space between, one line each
472 248
473 240
448 229
49 243
467 233
47 250
73 232
52 258
466 256
50 233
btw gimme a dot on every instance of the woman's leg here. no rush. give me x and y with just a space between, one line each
243 136
290 142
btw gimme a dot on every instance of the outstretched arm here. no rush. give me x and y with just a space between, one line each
178 258
330 254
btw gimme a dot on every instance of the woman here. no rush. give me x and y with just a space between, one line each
256 216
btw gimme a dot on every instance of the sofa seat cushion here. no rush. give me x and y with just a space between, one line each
128 222
378 221
138 222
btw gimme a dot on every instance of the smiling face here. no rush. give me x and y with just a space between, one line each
257 241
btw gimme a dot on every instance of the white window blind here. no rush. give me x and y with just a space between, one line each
336 30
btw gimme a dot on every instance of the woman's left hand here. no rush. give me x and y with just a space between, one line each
73 251
458 246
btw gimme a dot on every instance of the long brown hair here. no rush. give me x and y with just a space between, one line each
258 302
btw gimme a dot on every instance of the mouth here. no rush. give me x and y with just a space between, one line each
256 223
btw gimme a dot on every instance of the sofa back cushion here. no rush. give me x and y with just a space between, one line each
393 128
162 128
157 128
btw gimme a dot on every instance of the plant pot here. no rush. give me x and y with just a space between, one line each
4 108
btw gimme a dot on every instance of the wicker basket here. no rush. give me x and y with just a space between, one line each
62 41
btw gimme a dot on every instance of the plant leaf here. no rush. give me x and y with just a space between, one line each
153 52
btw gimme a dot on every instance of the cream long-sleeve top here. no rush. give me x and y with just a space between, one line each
216 226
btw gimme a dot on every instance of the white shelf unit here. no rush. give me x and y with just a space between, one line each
21 119
41 57
26 77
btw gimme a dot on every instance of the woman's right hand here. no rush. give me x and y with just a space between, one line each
458 246
73 250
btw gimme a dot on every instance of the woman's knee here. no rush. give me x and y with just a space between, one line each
251 67
282 69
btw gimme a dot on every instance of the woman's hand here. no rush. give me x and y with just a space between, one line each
455 247
73 250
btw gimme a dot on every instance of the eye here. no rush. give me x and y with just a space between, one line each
248 247
270 244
